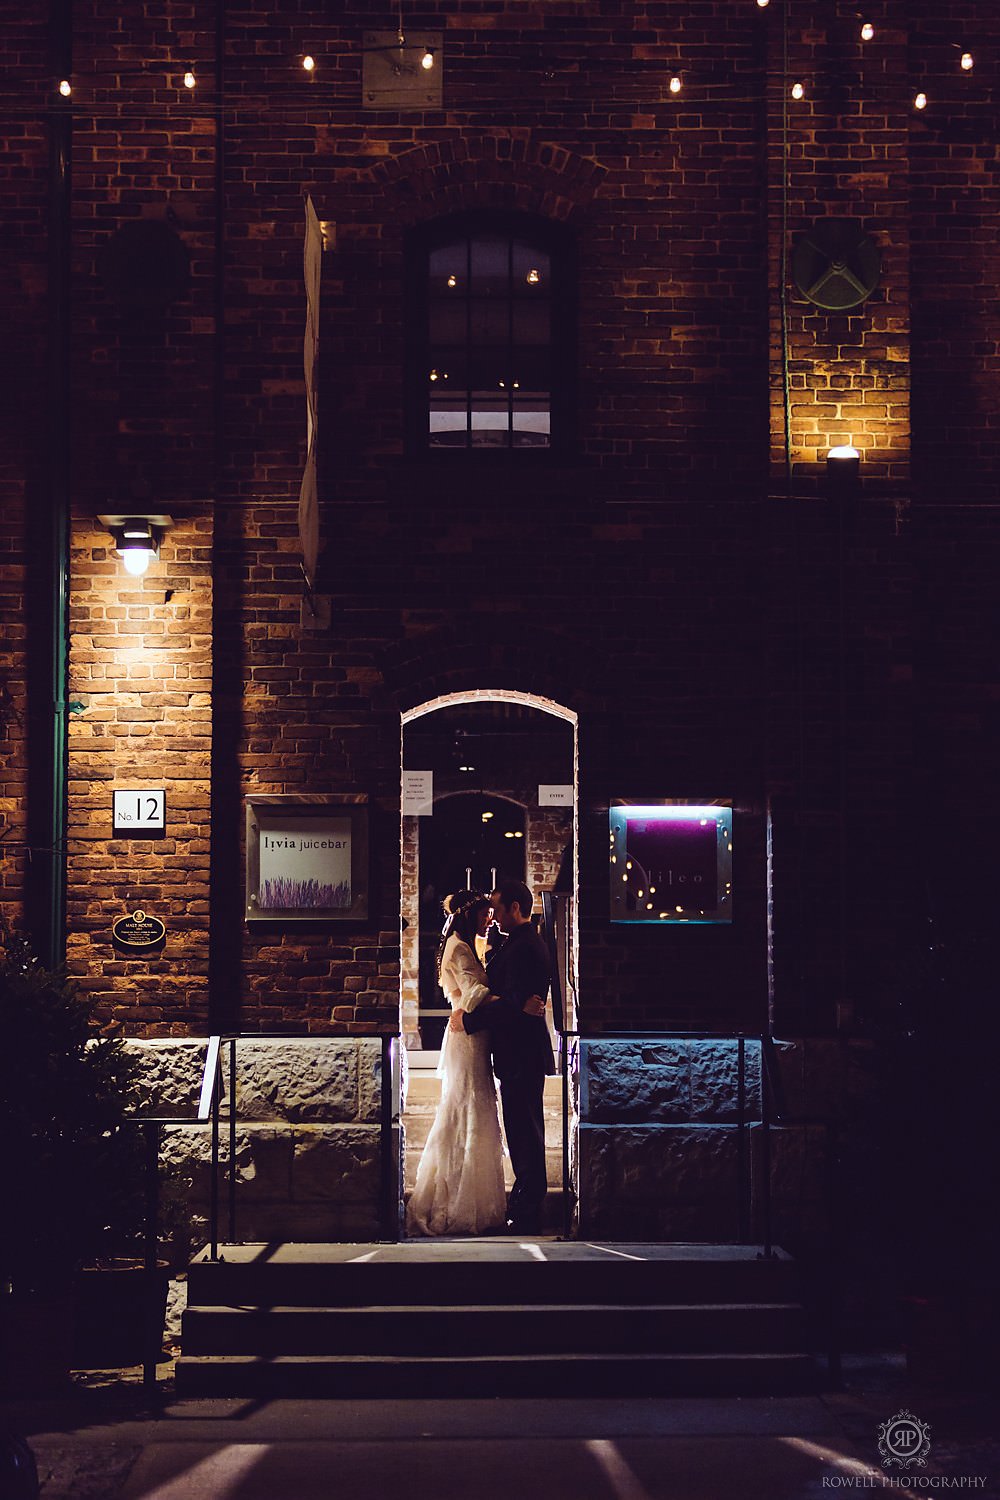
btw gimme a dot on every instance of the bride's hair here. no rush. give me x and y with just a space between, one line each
462 910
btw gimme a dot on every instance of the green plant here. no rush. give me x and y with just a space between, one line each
69 1168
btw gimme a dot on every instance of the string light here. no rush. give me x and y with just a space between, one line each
65 88
675 85
190 81
427 61
867 31
798 90
763 4
967 62
920 102
308 62
452 280
533 277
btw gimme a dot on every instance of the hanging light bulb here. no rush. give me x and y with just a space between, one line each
427 61
675 85
452 280
798 90
308 62
533 277
763 4
867 31
65 88
967 62
920 102
190 81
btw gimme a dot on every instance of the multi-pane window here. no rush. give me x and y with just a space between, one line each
491 365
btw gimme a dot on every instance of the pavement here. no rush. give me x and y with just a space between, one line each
102 1440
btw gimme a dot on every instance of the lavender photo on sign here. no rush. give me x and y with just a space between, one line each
305 865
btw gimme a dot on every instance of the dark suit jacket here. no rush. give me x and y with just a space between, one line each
520 1043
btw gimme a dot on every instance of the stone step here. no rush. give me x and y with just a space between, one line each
453 1273
373 1376
480 1330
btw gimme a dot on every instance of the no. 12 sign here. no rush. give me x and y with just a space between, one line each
139 815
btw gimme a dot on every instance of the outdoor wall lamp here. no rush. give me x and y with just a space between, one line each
843 469
137 539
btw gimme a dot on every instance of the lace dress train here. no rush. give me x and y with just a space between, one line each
460 1186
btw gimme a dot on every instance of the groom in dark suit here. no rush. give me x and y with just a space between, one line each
518 974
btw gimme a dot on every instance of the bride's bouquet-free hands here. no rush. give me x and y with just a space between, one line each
533 1006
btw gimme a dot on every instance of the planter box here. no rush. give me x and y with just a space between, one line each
120 1312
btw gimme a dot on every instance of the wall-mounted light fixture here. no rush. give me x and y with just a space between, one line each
137 539
843 470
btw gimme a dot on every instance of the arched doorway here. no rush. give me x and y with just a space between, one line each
501 766
471 836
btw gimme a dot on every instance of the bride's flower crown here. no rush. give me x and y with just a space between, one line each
460 901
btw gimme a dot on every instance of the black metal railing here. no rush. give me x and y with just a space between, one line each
152 1127
772 1109
773 1096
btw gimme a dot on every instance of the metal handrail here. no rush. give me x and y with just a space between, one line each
774 1091
152 1126
772 1109
743 1169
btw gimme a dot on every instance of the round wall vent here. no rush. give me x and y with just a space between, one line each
836 265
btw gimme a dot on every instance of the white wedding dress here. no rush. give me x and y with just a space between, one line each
460 1187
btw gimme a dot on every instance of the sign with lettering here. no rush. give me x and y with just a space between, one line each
671 862
307 859
138 933
554 796
305 864
139 814
418 794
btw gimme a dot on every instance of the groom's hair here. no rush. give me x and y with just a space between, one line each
510 891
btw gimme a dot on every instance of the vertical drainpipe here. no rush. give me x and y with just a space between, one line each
225 903
48 917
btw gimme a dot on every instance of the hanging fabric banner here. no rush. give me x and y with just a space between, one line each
312 259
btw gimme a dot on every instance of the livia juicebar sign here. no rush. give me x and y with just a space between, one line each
138 933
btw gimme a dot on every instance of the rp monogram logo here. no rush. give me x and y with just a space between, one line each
904 1441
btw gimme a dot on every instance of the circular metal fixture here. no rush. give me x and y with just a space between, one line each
836 265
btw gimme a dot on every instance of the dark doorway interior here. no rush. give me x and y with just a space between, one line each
472 840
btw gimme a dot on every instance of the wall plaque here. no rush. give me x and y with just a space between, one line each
139 814
138 933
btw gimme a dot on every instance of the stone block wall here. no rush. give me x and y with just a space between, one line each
307 1134
658 1154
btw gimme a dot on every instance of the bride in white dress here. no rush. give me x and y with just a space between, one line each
460 1187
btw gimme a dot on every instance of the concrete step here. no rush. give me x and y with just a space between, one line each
413 1274
493 1375
411 1332
491 1317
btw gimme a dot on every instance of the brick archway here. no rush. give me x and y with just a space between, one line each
509 169
409 914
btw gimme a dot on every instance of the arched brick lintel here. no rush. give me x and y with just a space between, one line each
444 663
505 169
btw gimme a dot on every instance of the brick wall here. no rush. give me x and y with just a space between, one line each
794 655
141 672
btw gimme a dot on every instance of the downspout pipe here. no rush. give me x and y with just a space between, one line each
225 898
46 885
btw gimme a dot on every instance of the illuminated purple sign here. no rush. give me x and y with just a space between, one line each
671 862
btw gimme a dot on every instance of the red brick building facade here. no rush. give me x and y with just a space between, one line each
676 575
